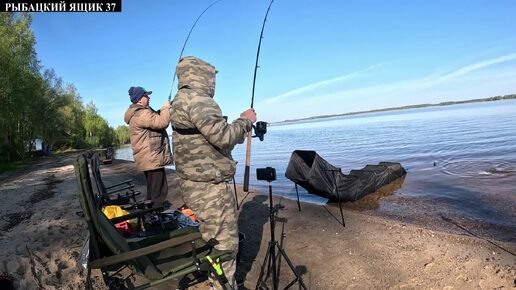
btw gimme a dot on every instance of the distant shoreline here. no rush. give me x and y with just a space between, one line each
497 98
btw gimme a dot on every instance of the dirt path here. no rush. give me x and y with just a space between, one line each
41 236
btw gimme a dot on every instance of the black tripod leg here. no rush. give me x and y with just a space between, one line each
260 284
278 256
272 265
298 279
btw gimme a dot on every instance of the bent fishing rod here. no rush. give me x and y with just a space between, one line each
184 45
249 134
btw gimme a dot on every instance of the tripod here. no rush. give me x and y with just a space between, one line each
274 261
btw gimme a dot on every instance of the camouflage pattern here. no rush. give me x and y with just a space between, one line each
203 161
205 156
215 208
149 139
196 74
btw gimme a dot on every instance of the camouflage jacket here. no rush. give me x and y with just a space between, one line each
149 139
206 155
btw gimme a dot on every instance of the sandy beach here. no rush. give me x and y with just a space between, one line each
41 236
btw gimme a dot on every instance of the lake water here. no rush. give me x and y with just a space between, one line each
461 159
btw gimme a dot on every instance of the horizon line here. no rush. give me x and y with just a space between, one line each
445 103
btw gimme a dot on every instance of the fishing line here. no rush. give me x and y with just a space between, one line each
184 45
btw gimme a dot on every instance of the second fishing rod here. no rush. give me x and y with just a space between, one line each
260 127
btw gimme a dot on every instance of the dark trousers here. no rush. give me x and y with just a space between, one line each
157 186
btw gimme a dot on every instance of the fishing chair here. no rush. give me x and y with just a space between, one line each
122 193
159 258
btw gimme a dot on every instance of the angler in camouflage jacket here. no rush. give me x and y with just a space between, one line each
150 142
202 141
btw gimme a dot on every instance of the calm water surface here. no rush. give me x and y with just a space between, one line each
473 147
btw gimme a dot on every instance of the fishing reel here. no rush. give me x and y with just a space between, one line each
260 128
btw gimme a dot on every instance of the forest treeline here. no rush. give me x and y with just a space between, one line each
35 104
448 103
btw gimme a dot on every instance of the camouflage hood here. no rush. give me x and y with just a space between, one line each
196 74
204 156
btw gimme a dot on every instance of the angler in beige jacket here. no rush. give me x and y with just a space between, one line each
150 142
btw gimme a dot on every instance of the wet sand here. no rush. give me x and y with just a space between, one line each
41 236
494 220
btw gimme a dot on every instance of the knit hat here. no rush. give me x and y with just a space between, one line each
136 93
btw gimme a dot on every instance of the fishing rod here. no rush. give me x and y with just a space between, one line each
249 134
184 45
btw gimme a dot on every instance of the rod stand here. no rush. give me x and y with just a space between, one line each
297 194
336 189
272 261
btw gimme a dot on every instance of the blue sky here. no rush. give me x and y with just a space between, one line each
318 57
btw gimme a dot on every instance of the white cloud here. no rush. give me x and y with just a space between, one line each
470 81
477 66
317 85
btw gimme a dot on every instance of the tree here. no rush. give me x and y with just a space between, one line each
36 104
19 83
96 128
122 134
71 115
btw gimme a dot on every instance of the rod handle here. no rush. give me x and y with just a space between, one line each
247 162
246 179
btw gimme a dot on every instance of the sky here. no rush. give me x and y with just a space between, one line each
317 57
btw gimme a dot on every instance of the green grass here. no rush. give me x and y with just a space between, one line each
11 166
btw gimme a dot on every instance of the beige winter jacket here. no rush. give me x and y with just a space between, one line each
149 139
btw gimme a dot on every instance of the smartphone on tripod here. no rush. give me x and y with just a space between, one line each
271 265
